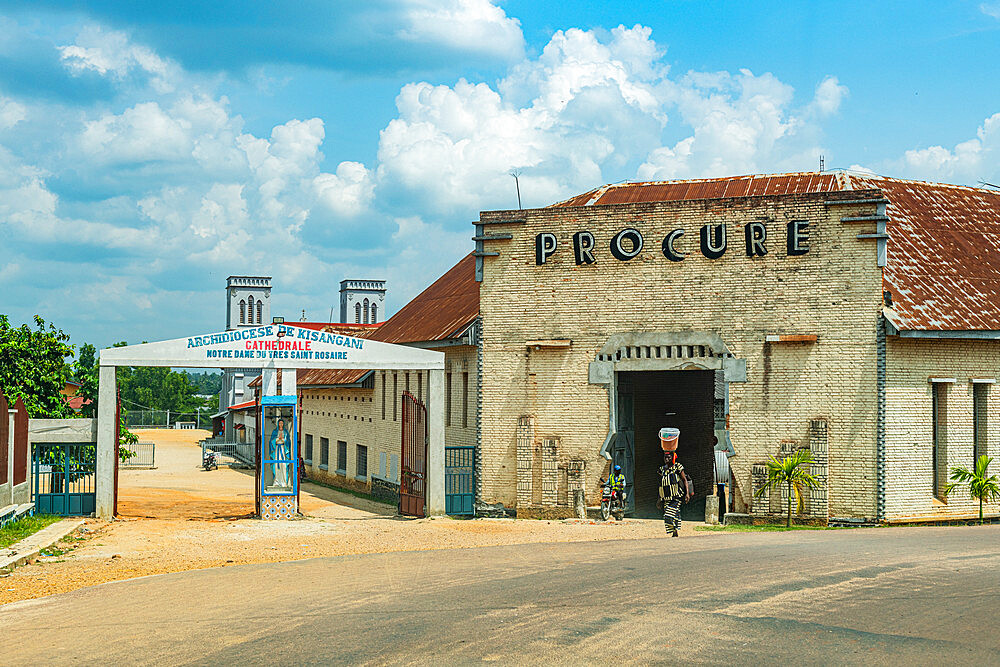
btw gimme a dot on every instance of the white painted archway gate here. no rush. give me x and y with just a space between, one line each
269 348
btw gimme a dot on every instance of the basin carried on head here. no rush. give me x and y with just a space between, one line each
669 438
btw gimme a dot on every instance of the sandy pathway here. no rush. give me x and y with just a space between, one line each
179 517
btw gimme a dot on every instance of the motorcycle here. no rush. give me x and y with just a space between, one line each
612 502
211 461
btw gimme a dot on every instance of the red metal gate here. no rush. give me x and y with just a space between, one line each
413 461
21 454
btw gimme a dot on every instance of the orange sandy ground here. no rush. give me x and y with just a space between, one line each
180 517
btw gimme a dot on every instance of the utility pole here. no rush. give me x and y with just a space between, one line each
516 173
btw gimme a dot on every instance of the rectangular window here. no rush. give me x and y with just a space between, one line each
324 453
383 395
447 399
308 455
362 462
342 457
406 387
381 465
939 452
980 423
420 386
465 400
393 464
395 394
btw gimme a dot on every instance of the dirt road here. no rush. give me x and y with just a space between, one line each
179 517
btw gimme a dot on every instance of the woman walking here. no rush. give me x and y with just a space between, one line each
673 490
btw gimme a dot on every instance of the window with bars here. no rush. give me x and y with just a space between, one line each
362 462
980 420
447 399
342 457
465 400
939 444
324 453
395 394
383 395
308 454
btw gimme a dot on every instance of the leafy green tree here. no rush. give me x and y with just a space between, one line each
209 384
792 472
158 389
86 371
33 366
983 486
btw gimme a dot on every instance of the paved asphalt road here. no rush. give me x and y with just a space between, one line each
885 595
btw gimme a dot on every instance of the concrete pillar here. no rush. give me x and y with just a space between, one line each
107 437
268 382
712 510
435 443
288 382
580 503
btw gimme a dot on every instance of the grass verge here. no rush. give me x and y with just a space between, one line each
23 527
766 528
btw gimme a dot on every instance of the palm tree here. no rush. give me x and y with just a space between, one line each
792 471
982 485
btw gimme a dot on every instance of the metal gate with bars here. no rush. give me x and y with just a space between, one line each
413 461
63 478
459 480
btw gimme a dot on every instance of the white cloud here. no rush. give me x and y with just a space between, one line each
349 192
829 95
991 9
142 133
11 113
967 162
112 53
476 26
589 110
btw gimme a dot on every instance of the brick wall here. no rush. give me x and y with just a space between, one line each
338 415
833 291
909 472
359 416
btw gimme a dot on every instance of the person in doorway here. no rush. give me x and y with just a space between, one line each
673 490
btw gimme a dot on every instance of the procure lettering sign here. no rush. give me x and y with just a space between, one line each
713 243
276 341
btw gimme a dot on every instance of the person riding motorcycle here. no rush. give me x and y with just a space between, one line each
617 480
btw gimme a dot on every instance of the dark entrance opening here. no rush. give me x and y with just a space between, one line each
690 396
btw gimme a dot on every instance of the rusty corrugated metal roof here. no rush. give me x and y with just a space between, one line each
708 188
943 266
317 377
442 311
342 328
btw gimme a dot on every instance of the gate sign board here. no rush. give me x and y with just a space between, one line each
273 346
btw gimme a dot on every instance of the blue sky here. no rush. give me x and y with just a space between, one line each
148 150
